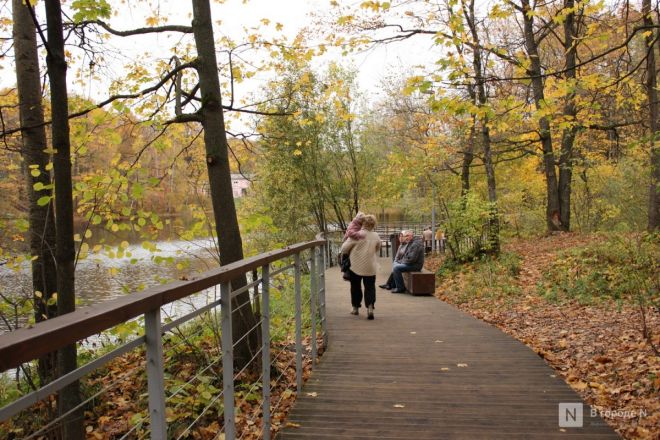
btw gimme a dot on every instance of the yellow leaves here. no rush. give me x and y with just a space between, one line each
375 6
579 385
344 20
412 84
152 20
347 116
237 74
84 251
497 12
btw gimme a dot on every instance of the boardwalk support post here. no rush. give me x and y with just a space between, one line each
265 349
298 294
314 275
324 322
227 360
155 375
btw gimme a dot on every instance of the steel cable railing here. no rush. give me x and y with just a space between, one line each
253 421
185 339
44 429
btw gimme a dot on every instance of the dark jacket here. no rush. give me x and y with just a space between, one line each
411 253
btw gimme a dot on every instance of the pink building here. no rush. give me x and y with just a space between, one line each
239 185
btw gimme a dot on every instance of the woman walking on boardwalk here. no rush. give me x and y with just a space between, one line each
362 254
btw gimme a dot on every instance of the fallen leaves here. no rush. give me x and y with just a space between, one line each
599 350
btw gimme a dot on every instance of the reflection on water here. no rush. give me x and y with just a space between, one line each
103 275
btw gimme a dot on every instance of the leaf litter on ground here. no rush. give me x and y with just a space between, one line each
598 349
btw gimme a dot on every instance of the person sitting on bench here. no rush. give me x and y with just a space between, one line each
389 284
409 258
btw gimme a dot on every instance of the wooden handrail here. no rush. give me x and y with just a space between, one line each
30 343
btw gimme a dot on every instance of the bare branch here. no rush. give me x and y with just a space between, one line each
138 31
185 117
113 98
255 112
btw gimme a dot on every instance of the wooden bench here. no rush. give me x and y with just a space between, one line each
419 283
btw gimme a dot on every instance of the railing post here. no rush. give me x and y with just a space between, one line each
155 373
265 337
298 294
314 287
324 322
227 361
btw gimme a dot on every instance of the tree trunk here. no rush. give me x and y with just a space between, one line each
652 96
570 112
33 133
468 153
355 175
217 162
552 211
69 397
482 100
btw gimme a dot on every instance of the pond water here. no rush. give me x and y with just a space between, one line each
105 274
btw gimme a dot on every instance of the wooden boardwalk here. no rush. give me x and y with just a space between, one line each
425 370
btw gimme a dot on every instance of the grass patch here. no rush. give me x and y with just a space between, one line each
485 278
620 269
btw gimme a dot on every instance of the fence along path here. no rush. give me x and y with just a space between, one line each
30 343
425 370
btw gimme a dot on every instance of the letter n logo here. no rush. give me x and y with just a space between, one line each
570 415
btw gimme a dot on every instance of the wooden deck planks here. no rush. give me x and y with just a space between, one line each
398 377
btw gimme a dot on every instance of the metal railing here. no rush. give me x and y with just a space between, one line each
29 344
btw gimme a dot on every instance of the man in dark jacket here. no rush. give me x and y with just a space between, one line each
410 258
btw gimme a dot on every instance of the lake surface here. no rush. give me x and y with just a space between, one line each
105 275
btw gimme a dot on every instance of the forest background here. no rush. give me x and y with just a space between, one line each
421 133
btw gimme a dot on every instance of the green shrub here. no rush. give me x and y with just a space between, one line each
466 227
622 269
489 276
